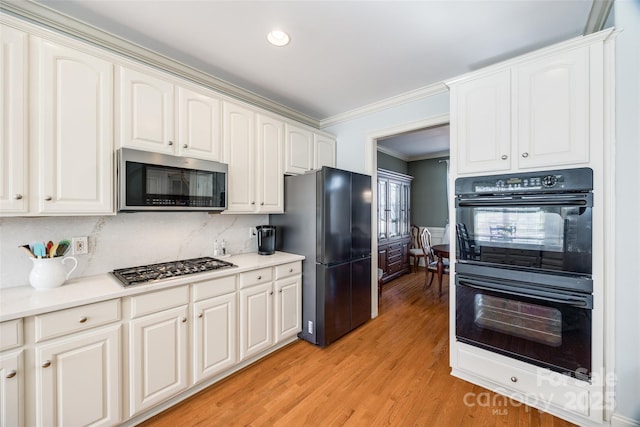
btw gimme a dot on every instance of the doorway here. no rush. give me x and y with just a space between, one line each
371 160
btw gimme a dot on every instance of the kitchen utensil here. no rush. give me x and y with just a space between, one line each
63 246
54 250
26 249
49 246
39 250
50 273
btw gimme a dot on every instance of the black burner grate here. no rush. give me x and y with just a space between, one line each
167 270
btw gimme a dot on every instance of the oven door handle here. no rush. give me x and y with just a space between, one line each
528 200
585 301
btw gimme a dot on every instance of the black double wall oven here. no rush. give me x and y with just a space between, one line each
524 267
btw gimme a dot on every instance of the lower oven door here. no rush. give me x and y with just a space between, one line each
547 328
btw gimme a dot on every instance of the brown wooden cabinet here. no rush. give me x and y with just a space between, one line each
394 212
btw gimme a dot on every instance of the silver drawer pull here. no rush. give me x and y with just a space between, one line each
48 198
46 364
10 374
280 291
170 143
183 319
18 197
514 379
291 270
83 319
201 315
271 293
504 157
259 277
525 155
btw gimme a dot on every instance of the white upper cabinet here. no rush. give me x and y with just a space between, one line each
72 131
539 113
146 112
551 98
199 125
324 151
239 153
269 165
298 150
14 160
481 115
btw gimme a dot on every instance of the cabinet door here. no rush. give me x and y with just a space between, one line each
214 336
298 150
288 308
14 160
394 210
256 319
324 151
12 389
199 125
146 112
480 123
383 210
270 165
239 147
158 352
551 116
78 380
74 94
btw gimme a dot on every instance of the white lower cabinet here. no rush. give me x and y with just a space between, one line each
256 319
288 301
12 389
158 353
214 334
78 379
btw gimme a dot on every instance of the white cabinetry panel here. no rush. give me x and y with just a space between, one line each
270 164
12 391
199 125
78 380
146 112
239 153
74 130
298 150
551 115
14 160
256 319
324 151
288 314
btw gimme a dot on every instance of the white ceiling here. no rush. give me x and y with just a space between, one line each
344 54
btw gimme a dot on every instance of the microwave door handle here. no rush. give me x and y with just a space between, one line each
582 302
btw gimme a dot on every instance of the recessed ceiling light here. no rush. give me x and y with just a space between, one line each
278 38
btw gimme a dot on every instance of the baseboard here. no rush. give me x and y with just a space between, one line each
620 421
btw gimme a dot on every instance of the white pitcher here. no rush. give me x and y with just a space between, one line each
50 272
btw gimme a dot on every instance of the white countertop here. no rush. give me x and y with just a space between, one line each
25 301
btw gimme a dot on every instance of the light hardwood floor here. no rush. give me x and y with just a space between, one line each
392 371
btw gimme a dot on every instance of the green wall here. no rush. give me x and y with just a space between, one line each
391 163
428 192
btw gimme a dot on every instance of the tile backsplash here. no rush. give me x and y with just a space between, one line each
125 240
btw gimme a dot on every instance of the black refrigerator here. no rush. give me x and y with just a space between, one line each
328 220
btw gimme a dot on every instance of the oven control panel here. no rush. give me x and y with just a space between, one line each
516 183
580 179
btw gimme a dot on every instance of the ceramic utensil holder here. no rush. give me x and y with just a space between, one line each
50 273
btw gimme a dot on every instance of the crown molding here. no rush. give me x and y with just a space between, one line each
384 104
43 16
392 153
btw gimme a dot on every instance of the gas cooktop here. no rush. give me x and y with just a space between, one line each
168 270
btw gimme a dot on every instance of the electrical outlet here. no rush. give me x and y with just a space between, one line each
252 232
80 245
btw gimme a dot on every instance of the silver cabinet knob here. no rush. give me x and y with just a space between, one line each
18 197
201 315
280 291
259 277
525 155
170 143
83 319
253 203
184 146
183 319
271 293
504 157
46 364
11 374
48 198
261 203
514 379
291 270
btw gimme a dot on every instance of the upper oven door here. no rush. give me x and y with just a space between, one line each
537 232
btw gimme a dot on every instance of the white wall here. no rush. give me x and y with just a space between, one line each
353 134
124 240
627 175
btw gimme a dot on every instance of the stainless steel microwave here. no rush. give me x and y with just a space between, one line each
161 182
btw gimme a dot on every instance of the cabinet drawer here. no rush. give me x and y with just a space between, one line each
158 301
63 322
556 389
290 269
395 267
255 277
213 288
10 334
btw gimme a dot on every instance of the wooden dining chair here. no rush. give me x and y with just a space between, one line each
430 261
415 250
